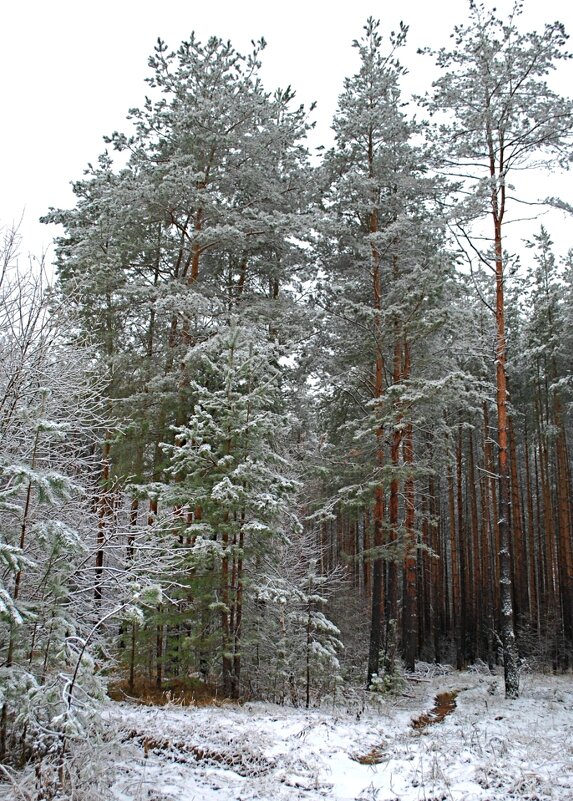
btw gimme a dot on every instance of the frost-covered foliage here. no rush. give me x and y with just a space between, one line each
48 408
296 658
182 265
227 458
228 506
386 283
202 219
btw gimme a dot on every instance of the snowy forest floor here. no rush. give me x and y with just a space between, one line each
486 749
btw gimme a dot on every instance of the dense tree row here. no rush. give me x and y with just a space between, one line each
305 375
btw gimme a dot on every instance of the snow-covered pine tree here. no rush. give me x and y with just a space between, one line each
202 217
381 275
230 469
203 222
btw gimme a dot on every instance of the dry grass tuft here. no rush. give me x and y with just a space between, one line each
374 757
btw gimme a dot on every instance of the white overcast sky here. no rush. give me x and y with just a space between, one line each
71 69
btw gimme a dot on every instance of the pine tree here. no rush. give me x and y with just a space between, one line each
382 276
200 220
201 226
230 462
500 116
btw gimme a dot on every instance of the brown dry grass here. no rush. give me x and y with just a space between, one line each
186 693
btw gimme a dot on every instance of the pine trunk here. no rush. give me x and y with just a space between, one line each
510 659
518 551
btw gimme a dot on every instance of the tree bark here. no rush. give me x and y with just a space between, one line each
510 658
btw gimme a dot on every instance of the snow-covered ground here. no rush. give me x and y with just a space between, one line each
486 749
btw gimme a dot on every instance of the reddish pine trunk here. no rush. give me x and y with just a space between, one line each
456 599
493 529
565 549
550 579
436 572
533 593
518 550
424 578
463 548
475 584
394 504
